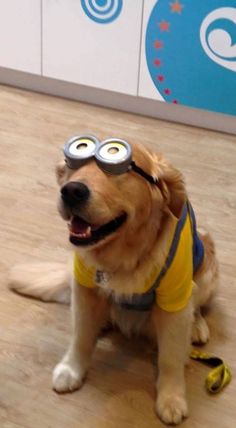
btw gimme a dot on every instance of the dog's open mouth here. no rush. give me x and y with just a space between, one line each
83 233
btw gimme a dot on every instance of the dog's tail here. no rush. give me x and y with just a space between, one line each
49 282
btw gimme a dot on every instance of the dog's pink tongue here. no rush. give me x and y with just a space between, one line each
79 226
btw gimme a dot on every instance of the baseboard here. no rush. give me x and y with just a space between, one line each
133 104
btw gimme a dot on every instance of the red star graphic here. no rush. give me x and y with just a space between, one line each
175 102
160 78
164 25
158 44
176 7
157 62
167 91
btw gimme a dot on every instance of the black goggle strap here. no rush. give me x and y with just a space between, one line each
148 177
141 172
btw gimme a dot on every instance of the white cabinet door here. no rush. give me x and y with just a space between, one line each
93 42
20 35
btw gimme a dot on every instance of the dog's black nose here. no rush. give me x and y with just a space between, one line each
74 193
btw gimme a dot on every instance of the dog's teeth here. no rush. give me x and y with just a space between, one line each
81 235
86 234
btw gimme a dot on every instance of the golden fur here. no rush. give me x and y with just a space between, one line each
127 255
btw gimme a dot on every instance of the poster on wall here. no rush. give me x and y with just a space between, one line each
189 53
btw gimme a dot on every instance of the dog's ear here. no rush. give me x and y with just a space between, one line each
171 185
61 173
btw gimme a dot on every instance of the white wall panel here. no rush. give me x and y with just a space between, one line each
20 35
78 49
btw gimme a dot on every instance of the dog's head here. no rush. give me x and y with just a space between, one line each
123 210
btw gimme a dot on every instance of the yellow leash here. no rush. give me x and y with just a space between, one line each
219 376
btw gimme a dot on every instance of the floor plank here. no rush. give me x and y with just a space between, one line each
33 336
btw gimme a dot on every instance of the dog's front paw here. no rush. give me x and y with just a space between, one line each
66 378
171 408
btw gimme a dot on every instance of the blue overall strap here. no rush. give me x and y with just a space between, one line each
144 302
198 248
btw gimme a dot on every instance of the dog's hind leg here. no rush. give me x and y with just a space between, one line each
200 329
206 285
207 277
49 282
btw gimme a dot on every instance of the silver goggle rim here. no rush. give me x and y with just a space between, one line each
112 155
79 149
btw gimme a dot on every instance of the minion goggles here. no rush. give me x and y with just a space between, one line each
113 155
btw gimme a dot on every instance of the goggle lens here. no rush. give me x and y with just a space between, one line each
113 151
114 156
79 149
82 148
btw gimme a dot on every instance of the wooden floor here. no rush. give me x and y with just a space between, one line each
33 336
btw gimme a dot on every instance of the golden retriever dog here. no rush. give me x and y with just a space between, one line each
133 267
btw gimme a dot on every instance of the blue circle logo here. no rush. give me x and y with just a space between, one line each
102 11
191 53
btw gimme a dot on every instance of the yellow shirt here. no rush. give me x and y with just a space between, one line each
171 284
